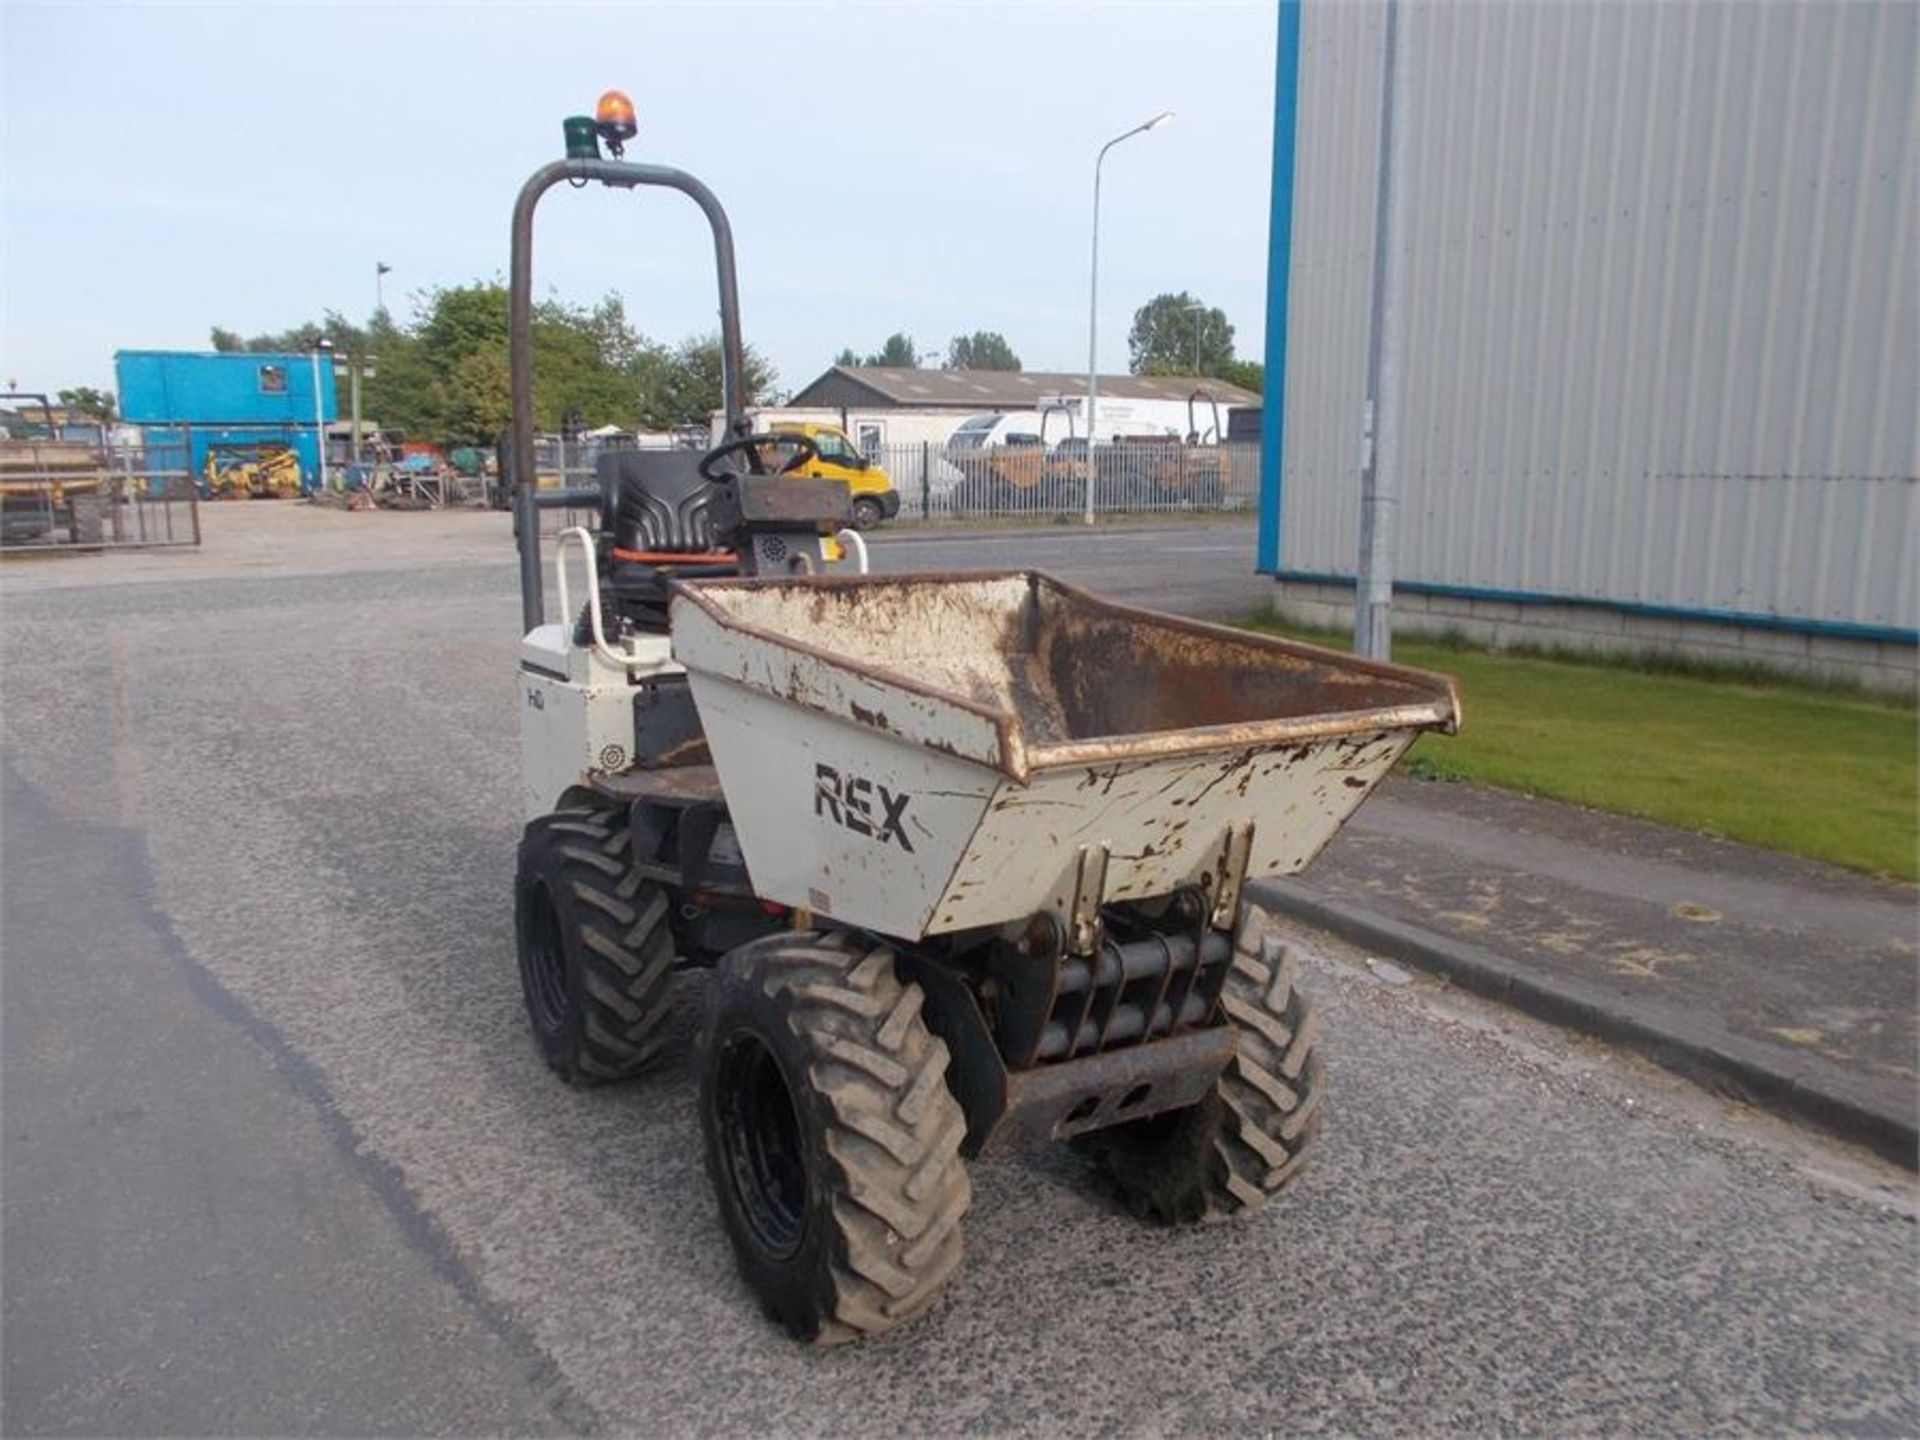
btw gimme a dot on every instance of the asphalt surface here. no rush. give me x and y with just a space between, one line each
280 1158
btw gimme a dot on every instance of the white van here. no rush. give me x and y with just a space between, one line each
1011 427
1061 420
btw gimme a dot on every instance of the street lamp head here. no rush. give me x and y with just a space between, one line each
1157 121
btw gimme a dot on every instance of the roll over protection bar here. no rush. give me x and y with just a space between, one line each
623 175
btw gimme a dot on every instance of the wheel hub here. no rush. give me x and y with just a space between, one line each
765 1158
545 958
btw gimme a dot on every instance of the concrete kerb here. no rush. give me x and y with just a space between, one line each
1691 1046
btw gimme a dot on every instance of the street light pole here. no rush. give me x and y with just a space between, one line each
1093 298
1195 310
356 361
1380 423
380 270
323 347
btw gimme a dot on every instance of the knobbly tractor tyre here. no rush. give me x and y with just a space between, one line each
832 1140
1248 1139
595 945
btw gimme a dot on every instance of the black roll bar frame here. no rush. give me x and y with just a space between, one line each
527 499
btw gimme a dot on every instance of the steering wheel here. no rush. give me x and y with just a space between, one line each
804 452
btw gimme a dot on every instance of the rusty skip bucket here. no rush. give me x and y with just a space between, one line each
923 754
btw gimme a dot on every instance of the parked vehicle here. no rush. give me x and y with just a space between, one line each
47 483
254 470
965 854
834 457
1008 465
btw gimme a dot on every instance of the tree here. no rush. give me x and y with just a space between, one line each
684 385
898 353
982 350
87 401
444 377
1162 340
476 400
1247 374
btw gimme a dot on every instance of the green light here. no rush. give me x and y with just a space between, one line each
583 143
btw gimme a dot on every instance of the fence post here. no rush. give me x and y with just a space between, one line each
119 486
926 479
193 486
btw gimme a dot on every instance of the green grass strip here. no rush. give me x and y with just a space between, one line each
1824 772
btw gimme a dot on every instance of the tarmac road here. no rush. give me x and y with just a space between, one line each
279 1157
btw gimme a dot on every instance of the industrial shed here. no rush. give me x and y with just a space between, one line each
971 392
204 402
1660 339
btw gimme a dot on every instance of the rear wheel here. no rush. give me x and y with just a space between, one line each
595 947
832 1141
1247 1140
867 513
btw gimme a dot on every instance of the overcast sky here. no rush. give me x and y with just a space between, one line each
921 167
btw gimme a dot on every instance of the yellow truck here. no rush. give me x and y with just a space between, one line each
874 498
47 483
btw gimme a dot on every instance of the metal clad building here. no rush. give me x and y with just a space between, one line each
227 399
1662 343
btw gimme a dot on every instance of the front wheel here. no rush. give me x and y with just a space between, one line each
595 946
832 1141
1247 1139
867 513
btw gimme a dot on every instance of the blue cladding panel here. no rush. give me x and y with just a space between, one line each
164 444
183 387
1286 87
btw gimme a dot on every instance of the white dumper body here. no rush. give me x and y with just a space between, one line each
923 755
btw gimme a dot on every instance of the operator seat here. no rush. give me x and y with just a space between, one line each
656 526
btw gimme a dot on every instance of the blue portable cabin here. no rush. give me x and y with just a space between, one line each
206 401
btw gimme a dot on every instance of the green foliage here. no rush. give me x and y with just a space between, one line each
333 327
475 400
898 353
93 404
1161 341
444 377
982 350
682 386
1247 374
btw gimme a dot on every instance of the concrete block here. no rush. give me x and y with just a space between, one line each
1500 611
1770 645
1710 634
1312 614
1474 632
1843 650
1651 630
1898 659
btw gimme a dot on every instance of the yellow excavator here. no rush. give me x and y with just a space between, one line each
257 472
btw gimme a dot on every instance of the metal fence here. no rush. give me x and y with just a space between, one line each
933 482
937 482
61 497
